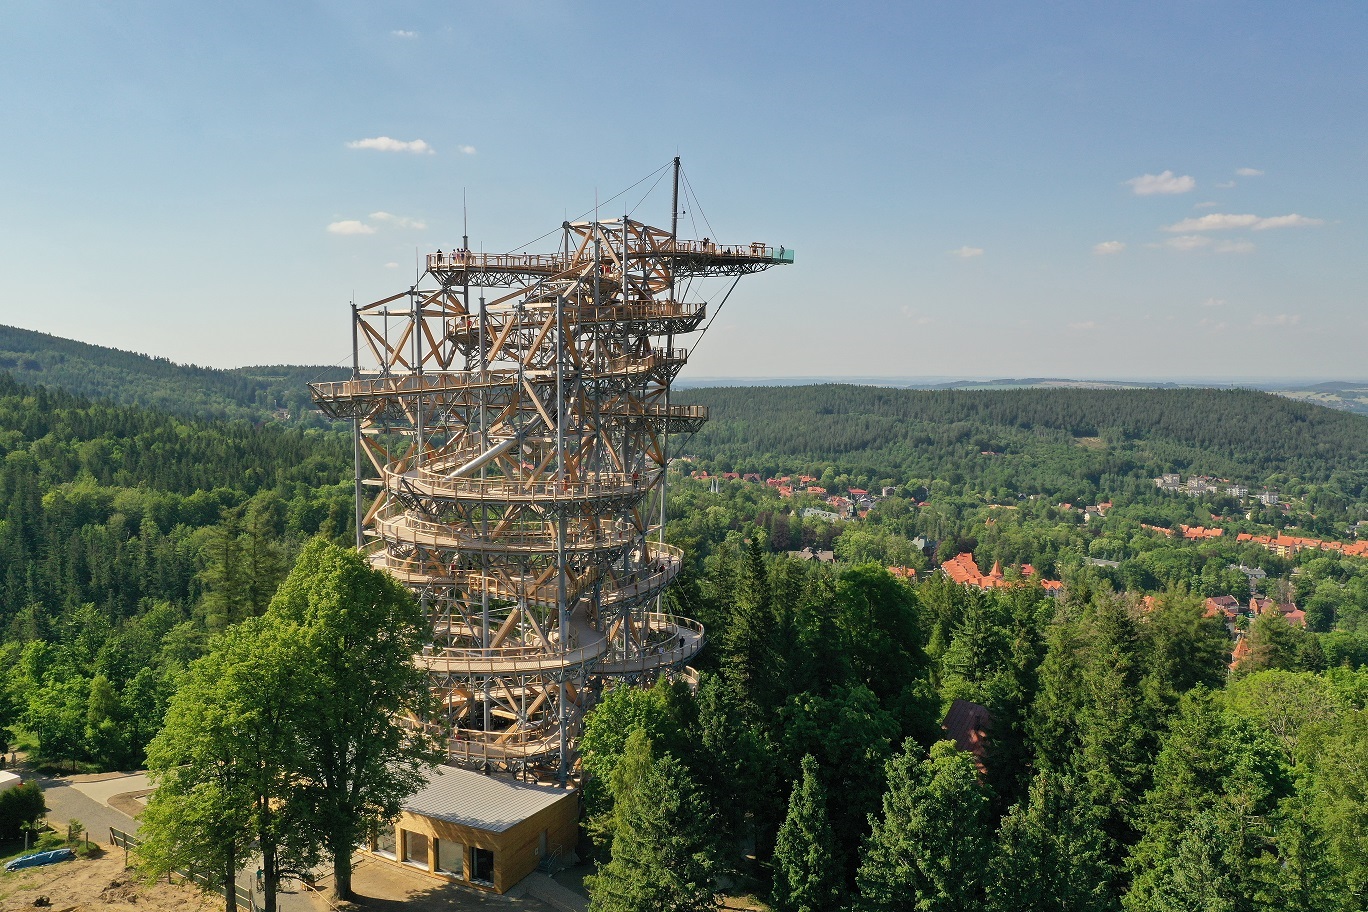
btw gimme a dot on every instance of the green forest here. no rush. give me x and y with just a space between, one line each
126 536
1031 441
1127 765
255 393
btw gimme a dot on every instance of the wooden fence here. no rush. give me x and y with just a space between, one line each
245 900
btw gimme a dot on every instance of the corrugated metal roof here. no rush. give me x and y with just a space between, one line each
483 802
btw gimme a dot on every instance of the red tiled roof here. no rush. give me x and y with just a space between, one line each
968 724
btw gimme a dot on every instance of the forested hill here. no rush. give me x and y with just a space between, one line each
183 389
1240 434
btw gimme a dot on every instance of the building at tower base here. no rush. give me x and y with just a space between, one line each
482 831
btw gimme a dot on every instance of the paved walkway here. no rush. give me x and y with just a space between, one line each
67 798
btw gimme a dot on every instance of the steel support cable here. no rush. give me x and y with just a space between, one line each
648 194
696 342
659 171
689 190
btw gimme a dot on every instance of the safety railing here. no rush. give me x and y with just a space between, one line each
496 262
431 479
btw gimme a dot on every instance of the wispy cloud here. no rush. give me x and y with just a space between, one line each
1107 248
1211 323
404 33
398 221
1187 242
466 150
967 253
1240 246
917 319
1249 172
1277 320
1288 221
386 144
1085 325
1218 221
1209 204
350 226
391 265
1225 185
1214 302
1164 183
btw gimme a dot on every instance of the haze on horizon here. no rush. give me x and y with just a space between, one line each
1164 191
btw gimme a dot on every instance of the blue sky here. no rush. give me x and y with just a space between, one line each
169 173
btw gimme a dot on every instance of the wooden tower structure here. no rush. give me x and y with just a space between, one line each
511 417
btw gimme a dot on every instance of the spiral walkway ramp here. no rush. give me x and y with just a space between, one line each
512 416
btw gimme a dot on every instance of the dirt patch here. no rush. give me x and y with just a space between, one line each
131 803
97 885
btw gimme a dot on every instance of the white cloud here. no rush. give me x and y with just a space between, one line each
1225 186
391 265
1249 172
1218 221
1187 242
385 144
917 319
1108 247
966 253
1085 325
1288 221
404 33
350 226
1278 320
1207 205
1240 246
1214 302
466 150
1165 183
399 221
1212 324
1214 222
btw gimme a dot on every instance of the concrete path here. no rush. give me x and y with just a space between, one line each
539 886
103 786
67 798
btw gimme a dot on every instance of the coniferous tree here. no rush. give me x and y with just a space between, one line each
930 849
749 647
1208 825
1051 853
806 876
664 857
224 575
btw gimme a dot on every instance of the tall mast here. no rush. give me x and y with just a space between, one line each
674 208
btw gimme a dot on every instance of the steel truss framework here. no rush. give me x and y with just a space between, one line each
513 454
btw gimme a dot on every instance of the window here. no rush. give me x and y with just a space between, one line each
482 865
450 857
415 849
384 842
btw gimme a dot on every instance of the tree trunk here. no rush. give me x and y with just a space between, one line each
230 882
271 872
342 872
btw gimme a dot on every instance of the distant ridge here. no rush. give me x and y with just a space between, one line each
1349 396
277 392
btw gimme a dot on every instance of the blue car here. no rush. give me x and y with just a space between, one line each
40 859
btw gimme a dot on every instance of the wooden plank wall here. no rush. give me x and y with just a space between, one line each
516 850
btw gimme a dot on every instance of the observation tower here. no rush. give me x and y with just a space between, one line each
511 416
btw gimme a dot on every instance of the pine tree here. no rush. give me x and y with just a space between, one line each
806 876
224 576
664 856
749 655
931 848
1052 853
